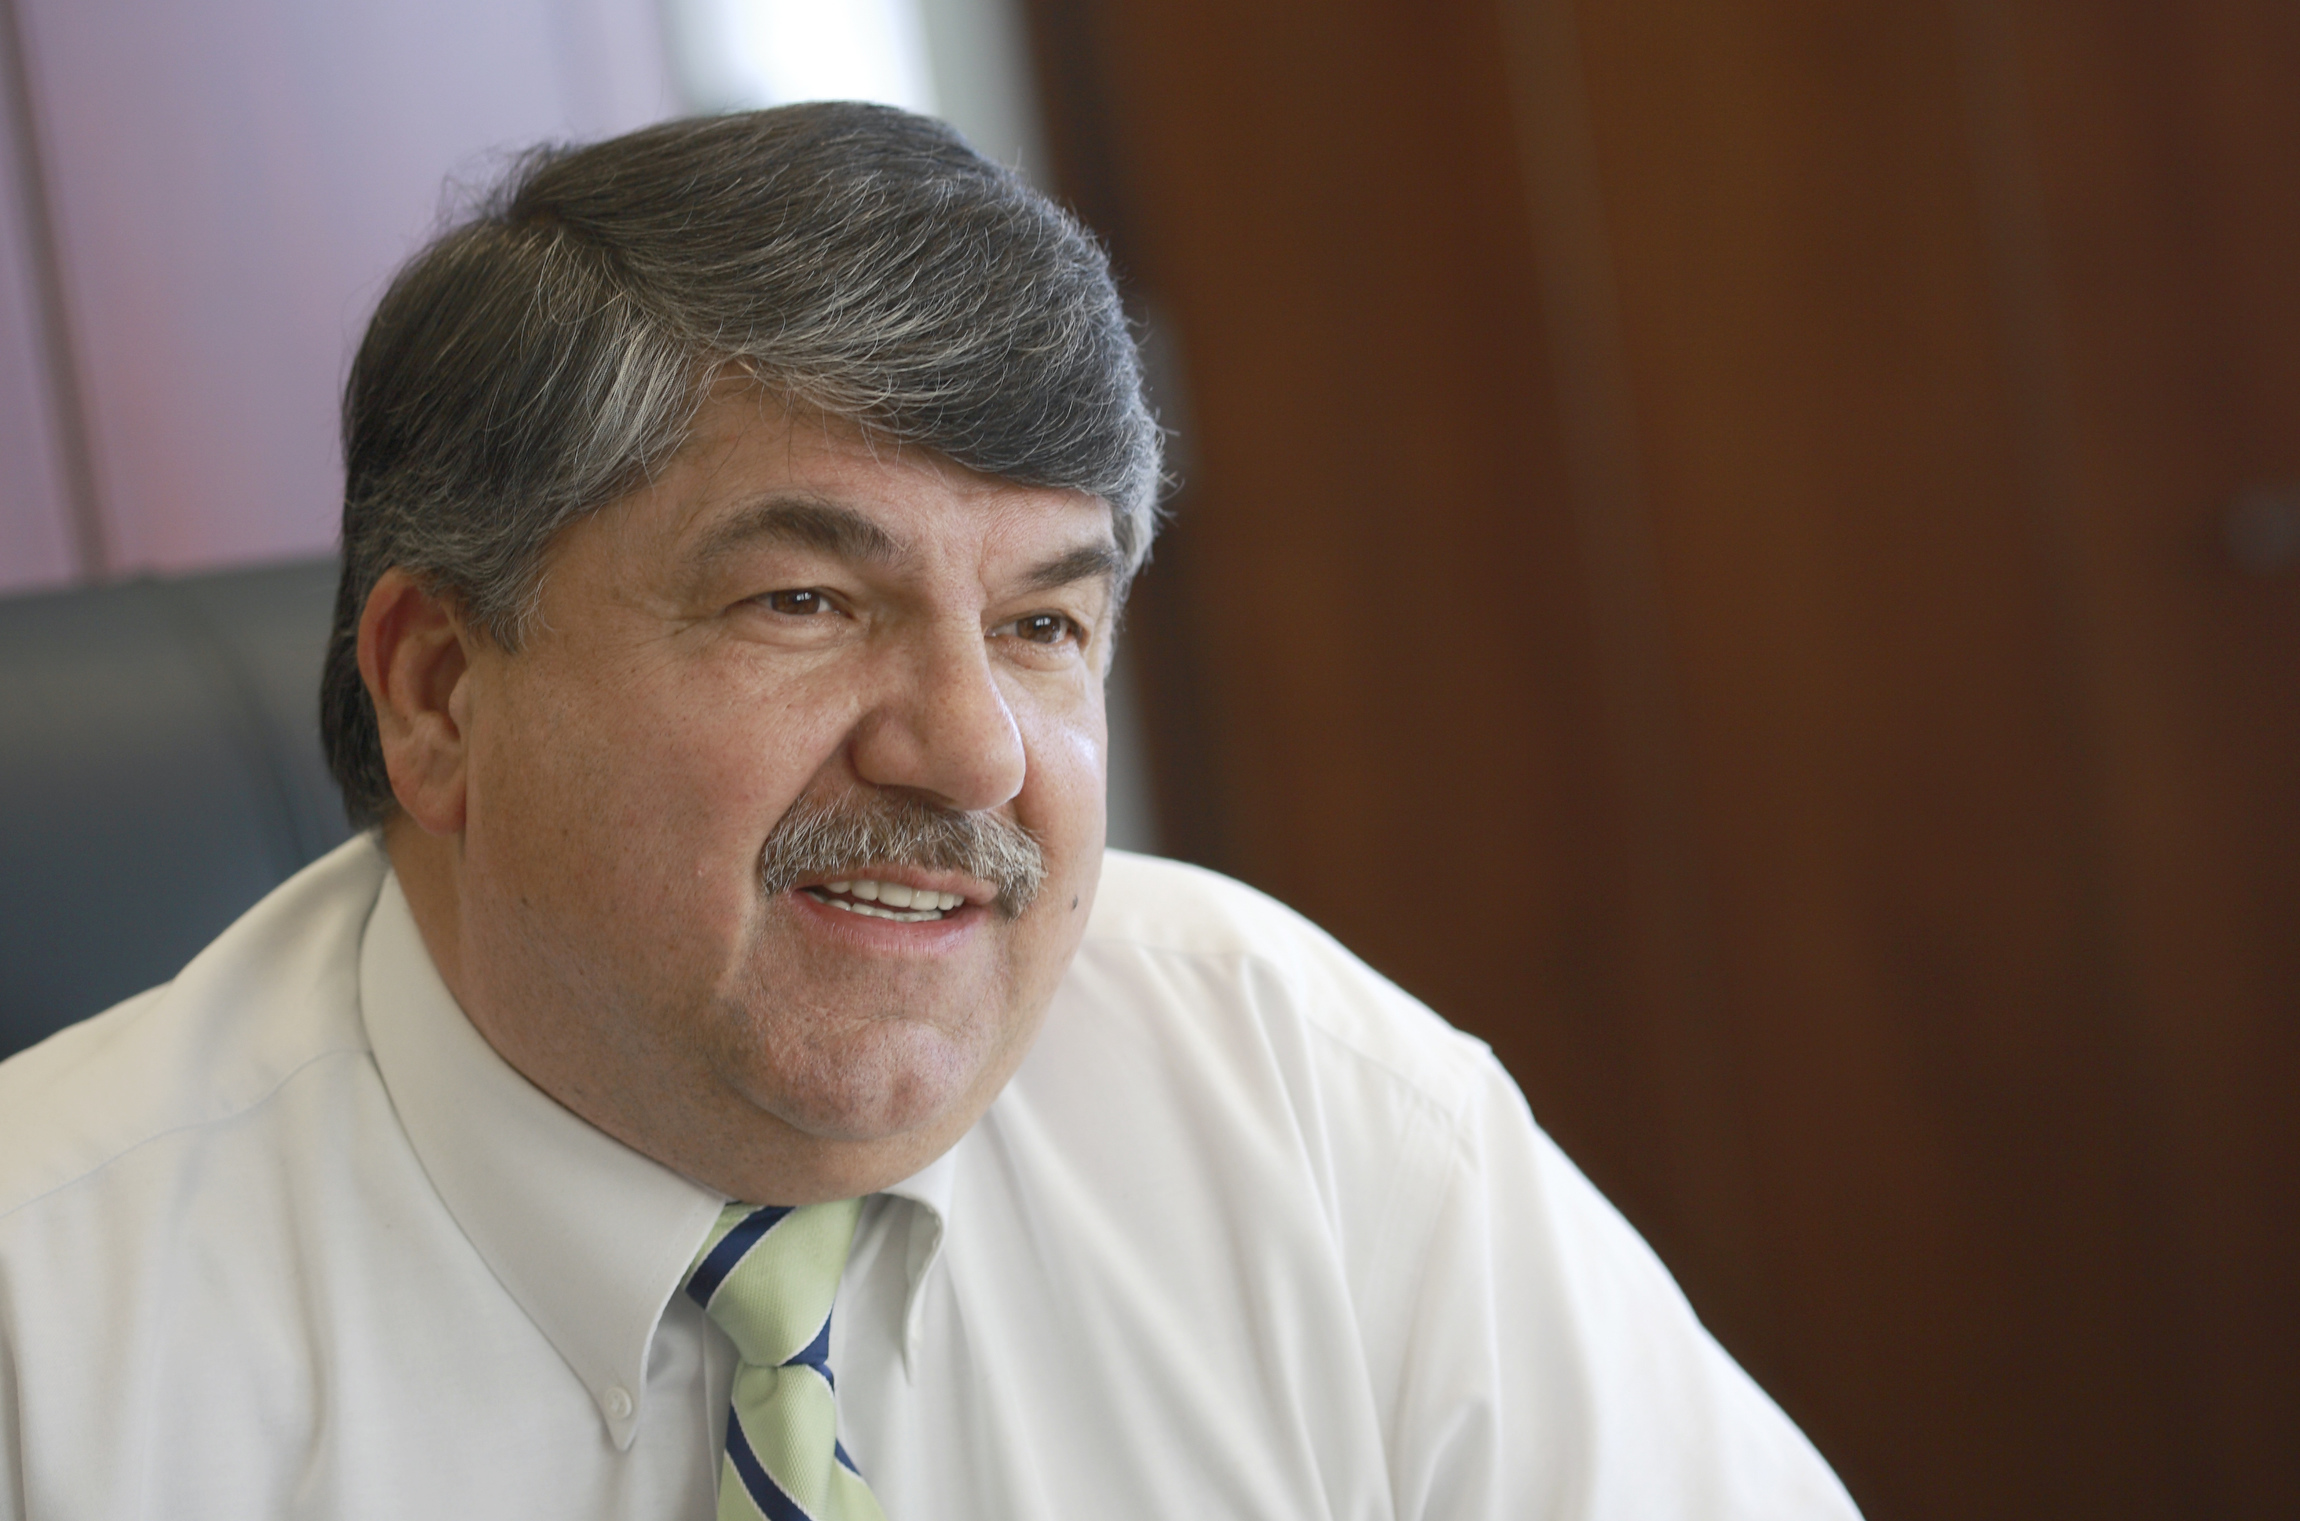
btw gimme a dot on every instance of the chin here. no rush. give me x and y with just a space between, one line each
879 1090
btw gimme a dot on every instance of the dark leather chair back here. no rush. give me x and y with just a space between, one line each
160 770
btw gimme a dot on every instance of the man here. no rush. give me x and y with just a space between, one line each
736 524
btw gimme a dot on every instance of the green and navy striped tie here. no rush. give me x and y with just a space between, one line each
767 1277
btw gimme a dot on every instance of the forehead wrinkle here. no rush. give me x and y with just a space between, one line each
800 521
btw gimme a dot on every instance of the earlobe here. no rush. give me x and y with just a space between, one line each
414 655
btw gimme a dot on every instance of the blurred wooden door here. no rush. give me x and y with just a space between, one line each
1750 554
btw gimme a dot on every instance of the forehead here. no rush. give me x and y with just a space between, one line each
756 475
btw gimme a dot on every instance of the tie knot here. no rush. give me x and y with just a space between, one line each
767 1277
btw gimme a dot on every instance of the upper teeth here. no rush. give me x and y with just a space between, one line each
923 902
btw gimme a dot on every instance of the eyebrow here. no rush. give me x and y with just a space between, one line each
810 523
1087 562
803 522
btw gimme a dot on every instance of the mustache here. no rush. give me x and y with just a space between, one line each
841 836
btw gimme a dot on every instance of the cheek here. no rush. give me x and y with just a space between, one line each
707 733
1072 759
660 780
1068 813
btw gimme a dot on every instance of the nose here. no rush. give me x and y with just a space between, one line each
942 726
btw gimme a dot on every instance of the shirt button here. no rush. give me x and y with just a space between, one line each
618 1404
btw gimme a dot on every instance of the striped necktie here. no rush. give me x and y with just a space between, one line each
767 1278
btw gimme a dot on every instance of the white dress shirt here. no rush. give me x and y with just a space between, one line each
1251 1235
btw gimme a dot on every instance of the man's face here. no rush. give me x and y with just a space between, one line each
787 618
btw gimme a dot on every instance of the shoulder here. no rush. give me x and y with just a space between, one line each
271 996
1211 949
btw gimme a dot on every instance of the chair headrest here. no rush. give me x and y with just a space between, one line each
160 770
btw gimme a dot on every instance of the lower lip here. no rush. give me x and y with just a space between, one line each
919 936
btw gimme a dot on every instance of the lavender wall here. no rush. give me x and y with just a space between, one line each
36 527
227 183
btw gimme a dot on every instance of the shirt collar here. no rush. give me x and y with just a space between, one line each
590 1237
929 1189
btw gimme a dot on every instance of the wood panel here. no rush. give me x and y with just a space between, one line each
1912 942
2166 150
1707 557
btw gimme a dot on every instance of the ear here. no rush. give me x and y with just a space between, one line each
414 654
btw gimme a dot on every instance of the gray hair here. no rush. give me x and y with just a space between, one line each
544 357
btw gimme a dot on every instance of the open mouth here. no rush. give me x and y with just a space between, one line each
886 900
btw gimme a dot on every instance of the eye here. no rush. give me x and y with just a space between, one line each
1041 628
797 604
